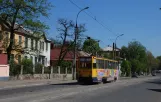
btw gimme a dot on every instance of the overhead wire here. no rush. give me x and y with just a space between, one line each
94 18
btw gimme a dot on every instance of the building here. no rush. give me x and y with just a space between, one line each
26 45
4 67
109 51
16 53
37 49
69 56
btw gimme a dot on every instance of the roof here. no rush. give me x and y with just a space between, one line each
55 53
82 53
23 30
109 48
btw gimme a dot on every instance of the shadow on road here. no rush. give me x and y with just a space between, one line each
156 90
154 82
75 83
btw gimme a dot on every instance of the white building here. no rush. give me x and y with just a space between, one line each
37 49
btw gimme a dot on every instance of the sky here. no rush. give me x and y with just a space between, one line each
138 20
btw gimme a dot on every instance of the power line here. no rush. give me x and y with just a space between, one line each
94 18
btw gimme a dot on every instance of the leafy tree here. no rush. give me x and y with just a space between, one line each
136 54
126 68
105 55
91 46
124 52
158 58
16 14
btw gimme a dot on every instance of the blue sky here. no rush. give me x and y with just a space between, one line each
137 19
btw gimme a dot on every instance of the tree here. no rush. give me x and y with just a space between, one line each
91 46
16 14
150 61
158 58
64 29
66 36
126 68
136 54
124 52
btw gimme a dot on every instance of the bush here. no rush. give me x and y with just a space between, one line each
38 68
64 65
27 66
47 70
14 68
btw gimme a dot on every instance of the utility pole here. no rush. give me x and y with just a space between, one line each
115 45
113 48
75 46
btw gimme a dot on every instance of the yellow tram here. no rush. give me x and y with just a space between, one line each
95 69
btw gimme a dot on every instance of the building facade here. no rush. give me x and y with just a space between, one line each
37 49
26 45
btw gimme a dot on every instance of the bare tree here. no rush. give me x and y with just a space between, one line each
66 34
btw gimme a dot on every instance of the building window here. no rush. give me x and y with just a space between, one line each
40 45
31 58
43 46
45 61
39 59
36 45
46 46
20 40
31 44
12 57
19 59
7 36
26 42
35 60
25 57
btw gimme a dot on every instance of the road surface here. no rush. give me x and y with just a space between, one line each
131 90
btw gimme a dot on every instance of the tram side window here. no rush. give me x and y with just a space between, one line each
105 64
110 65
116 67
98 63
113 65
101 64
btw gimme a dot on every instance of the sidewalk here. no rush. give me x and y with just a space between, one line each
28 83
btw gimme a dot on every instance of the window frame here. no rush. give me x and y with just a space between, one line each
26 42
32 42
20 40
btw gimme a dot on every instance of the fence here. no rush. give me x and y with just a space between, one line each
42 72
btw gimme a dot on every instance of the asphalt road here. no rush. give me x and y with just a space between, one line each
148 91
132 90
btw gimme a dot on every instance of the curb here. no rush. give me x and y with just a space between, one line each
35 84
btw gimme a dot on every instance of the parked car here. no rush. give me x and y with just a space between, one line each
134 75
153 73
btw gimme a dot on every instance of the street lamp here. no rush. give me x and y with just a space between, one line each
75 43
115 44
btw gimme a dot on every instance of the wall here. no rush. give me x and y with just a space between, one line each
4 72
43 76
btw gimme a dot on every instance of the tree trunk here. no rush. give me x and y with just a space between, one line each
9 48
